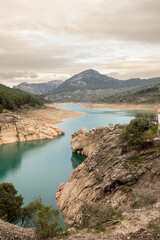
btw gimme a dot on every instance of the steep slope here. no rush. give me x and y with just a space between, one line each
38 88
90 85
144 95
113 175
13 99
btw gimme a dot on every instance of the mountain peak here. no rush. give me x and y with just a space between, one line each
90 72
24 83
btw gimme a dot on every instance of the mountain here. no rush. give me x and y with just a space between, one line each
12 99
148 94
38 88
90 85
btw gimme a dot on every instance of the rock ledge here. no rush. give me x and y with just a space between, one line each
14 128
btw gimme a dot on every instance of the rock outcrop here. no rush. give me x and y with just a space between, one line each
84 142
10 231
14 128
113 174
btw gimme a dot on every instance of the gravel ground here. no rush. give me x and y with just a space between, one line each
10 232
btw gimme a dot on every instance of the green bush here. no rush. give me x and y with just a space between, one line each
93 215
46 222
29 213
137 131
144 200
44 218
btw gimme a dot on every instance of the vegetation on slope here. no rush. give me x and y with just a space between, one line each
38 88
139 131
146 95
43 218
90 85
12 99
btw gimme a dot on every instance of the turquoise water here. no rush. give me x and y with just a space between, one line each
36 168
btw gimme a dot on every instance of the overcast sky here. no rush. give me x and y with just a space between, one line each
43 40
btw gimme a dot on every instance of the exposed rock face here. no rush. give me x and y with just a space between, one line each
112 174
84 142
14 128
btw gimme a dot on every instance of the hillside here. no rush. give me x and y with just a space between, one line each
116 187
144 95
90 85
87 86
13 99
38 88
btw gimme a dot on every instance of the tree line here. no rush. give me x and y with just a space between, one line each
13 99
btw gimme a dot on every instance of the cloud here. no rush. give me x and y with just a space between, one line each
62 38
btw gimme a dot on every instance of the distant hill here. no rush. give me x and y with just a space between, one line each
148 95
90 85
38 88
87 86
12 99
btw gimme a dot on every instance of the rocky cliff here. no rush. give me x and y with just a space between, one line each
14 128
113 174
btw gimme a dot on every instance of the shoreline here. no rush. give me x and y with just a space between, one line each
145 107
33 124
52 114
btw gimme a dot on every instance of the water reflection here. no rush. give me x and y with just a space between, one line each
77 160
11 155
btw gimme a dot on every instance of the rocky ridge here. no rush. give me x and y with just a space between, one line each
15 128
10 231
113 174
38 88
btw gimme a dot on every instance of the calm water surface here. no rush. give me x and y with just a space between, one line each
36 168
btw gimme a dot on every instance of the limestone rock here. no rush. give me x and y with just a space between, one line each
109 175
10 231
14 128
85 142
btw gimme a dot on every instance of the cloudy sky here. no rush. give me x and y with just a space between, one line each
43 40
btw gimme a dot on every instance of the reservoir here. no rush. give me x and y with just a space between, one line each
37 168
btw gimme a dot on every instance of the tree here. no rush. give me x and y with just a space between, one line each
29 213
43 218
1 108
10 203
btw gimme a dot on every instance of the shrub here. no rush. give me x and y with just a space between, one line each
144 200
95 214
46 222
44 218
136 132
30 211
